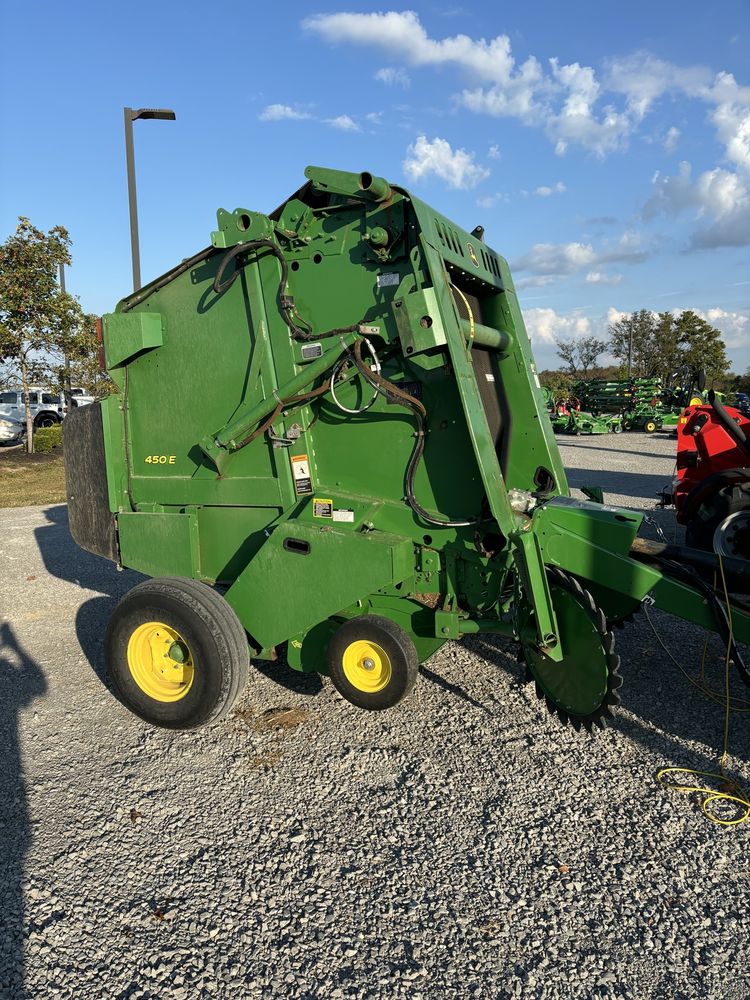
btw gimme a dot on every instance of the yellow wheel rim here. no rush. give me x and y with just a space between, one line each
366 666
160 661
696 401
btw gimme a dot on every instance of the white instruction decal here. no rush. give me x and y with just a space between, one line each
301 474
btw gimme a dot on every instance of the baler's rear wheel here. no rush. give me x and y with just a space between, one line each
372 662
176 653
581 689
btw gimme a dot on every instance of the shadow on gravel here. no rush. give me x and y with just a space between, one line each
617 451
629 484
455 689
666 715
291 680
65 560
21 681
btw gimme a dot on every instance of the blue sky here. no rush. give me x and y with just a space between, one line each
604 147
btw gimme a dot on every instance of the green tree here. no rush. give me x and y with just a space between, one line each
634 337
581 354
33 310
663 342
76 351
668 353
557 382
702 346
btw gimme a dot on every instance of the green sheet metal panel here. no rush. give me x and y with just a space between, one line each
305 573
159 544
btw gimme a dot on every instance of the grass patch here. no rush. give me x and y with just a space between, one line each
28 480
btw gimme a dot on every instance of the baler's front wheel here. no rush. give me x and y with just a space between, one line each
581 689
176 653
372 662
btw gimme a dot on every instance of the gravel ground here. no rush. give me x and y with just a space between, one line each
461 845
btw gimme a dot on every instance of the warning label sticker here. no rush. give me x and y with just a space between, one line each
322 508
301 474
346 516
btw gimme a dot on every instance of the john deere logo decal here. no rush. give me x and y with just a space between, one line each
473 255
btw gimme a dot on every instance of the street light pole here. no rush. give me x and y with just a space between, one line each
67 394
131 114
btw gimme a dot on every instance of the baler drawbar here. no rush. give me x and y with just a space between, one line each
329 433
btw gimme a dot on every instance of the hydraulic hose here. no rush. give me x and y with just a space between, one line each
396 395
286 302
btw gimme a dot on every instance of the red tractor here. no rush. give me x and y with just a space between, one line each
711 491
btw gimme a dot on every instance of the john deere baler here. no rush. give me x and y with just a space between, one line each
329 434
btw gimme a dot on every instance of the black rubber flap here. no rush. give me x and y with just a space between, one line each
92 524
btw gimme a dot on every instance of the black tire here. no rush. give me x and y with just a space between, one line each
216 642
398 648
700 529
46 420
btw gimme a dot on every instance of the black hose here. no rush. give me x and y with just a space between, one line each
286 302
396 395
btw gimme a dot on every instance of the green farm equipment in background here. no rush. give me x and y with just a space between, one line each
636 401
644 404
329 437
568 418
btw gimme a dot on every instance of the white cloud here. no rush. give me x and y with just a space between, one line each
374 117
393 77
556 258
490 200
545 190
402 35
720 197
669 142
549 262
732 118
343 122
601 278
494 152
544 326
456 167
281 112
735 326
643 78
716 193
568 101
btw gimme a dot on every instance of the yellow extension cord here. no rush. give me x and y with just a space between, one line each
728 790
